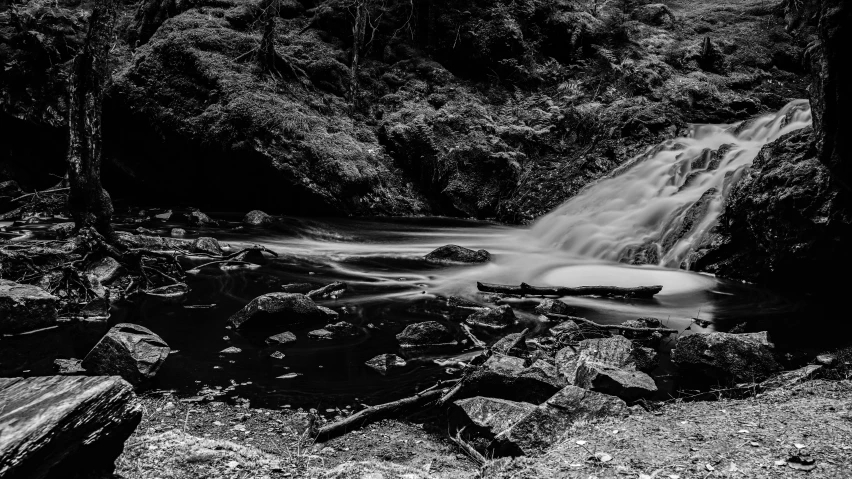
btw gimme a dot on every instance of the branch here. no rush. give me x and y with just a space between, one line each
36 193
608 291
327 290
467 448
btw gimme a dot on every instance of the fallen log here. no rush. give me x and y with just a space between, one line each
607 291
374 413
612 326
64 426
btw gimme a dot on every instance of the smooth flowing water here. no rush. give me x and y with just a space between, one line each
391 286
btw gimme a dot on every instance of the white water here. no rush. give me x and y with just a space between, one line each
645 204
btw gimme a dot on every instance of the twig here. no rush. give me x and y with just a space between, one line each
476 341
36 193
467 448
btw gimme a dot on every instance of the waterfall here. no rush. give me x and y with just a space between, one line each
658 206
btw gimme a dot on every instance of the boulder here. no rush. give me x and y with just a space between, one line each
281 338
457 254
485 417
128 350
511 345
24 307
289 307
498 318
385 362
651 338
428 333
208 245
256 218
553 306
339 330
605 365
656 14
177 232
105 269
505 377
789 379
645 358
740 357
68 367
547 423
195 217
64 426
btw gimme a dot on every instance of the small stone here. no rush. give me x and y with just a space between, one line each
385 362
177 233
289 376
428 333
105 269
208 245
281 338
256 218
231 350
277 355
826 359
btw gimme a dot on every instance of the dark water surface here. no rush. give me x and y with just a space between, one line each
390 286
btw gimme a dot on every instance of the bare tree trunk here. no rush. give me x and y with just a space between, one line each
358 31
90 205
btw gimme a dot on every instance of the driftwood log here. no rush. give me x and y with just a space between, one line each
64 426
327 290
374 413
609 291
612 326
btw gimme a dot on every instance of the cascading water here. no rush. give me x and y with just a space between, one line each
657 207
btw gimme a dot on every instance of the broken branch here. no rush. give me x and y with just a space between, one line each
608 291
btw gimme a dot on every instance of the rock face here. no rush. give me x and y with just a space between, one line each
25 307
429 333
59 426
457 254
128 350
280 308
739 357
498 318
546 424
384 363
606 365
505 377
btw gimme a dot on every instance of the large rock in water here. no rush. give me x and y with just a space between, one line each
498 318
59 426
428 333
186 105
740 357
24 307
546 424
606 365
128 350
289 307
457 254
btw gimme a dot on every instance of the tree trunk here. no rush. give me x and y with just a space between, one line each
830 89
90 205
358 31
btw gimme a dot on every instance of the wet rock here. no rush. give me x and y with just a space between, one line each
105 269
385 362
789 379
257 218
281 339
826 359
553 306
62 230
547 423
208 245
656 14
651 338
741 357
276 308
645 359
68 367
63 426
231 350
505 377
25 307
177 232
570 331
457 254
339 330
428 333
497 318
511 345
605 365
128 350
195 217
277 355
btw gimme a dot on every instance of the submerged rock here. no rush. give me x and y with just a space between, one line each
339 330
547 423
741 357
128 350
385 362
24 307
428 333
280 308
498 318
281 338
208 245
457 254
